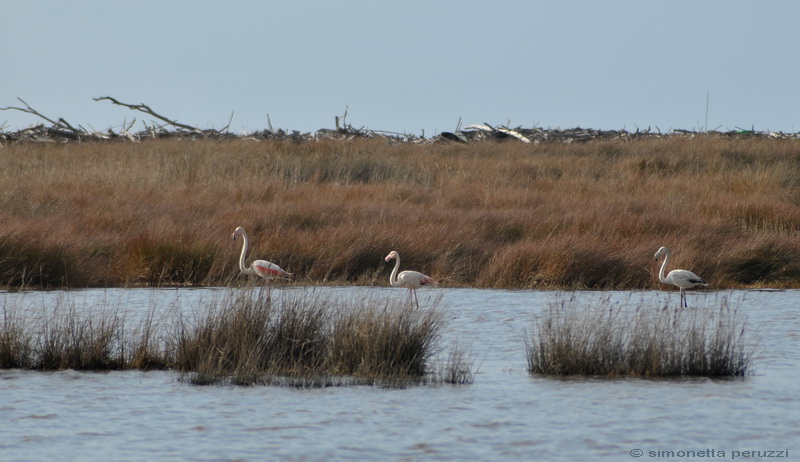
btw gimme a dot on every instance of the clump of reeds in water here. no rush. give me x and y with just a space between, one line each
243 338
306 340
65 337
606 339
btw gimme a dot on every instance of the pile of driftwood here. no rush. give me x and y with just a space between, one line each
59 130
484 131
163 127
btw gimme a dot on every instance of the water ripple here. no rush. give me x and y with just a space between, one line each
505 415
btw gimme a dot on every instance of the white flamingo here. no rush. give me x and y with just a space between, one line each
683 279
411 280
262 268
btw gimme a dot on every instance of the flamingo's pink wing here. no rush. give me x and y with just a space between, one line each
267 269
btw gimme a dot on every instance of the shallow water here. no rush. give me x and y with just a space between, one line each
505 415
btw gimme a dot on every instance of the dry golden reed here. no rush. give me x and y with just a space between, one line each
485 214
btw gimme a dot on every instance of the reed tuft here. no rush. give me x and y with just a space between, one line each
81 341
307 340
244 337
641 341
16 343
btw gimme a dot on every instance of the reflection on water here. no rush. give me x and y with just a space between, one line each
504 415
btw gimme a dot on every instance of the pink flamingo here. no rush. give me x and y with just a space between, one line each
683 279
411 280
262 268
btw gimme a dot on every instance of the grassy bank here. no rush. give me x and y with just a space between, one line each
486 214
243 338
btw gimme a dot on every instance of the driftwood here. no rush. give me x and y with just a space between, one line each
59 130
484 131
146 109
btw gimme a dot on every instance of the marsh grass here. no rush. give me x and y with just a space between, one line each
24 264
306 340
239 339
167 262
502 215
605 339
61 339
394 340
149 346
458 368
764 263
70 340
243 337
15 343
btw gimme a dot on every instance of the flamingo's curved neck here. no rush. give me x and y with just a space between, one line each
242 266
663 267
393 277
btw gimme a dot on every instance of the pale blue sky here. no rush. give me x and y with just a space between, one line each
406 66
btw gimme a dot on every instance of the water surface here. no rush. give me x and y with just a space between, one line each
505 415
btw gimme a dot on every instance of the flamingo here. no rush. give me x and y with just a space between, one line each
262 268
683 279
411 280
